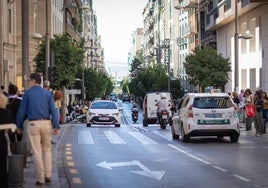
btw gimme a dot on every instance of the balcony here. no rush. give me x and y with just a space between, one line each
188 31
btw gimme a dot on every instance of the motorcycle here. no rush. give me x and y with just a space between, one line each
164 119
135 115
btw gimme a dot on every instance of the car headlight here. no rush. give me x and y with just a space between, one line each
115 114
92 114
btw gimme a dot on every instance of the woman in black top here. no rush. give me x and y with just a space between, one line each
258 121
13 106
5 117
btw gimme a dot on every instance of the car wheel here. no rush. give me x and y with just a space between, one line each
234 138
117 125
185 138
174 136
144 123
88 124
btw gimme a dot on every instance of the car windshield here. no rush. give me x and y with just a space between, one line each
103 105
212 102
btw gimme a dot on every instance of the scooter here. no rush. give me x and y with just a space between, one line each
164 118
135 115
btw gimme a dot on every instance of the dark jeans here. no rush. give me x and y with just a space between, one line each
3 160
265 114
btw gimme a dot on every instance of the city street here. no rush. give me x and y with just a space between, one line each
137 156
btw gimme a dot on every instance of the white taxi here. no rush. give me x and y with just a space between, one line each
206 114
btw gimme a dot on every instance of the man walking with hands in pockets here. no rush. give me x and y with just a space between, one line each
37 106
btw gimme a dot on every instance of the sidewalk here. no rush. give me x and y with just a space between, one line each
58 179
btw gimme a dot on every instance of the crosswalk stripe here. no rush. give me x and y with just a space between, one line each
113 137
84 137
142 138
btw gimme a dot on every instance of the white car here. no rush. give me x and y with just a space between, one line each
103 112
150 108
206 114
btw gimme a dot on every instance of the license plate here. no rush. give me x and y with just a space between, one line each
103 118
213 115
164 116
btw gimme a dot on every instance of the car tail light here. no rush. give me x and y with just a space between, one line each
190 111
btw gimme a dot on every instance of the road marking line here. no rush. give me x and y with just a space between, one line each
113 137
69 158
208 163
76 180
220 168
241 177
190 155
70 164
68 153
84 137
73 171
142 138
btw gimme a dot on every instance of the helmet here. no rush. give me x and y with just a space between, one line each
162 95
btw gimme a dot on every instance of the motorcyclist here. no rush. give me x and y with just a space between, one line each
162 104
134 109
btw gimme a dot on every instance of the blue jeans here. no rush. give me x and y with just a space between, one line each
265 114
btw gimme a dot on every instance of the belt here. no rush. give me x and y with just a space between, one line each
41 119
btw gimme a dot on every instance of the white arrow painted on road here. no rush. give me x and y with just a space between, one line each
144 172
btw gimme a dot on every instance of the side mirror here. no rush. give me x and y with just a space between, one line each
120 108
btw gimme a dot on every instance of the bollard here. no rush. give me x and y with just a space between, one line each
15 171
21 149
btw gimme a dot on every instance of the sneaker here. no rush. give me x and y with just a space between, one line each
47 180
38 183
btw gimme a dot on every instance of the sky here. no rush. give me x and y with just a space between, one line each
116 20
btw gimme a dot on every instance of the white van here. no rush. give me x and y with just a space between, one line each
150 108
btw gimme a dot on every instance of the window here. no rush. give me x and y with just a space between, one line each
9 21
212 102
252 26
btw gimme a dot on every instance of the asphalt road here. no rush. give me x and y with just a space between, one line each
137 156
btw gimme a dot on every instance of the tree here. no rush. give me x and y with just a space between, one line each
206 68
68 60
97 84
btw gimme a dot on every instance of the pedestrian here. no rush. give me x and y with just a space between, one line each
265 110
3 91
236 99
37 106
57 101
13 105
241 95
46 85
258 122
248 96
5 117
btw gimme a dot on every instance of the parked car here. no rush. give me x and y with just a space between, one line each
104 112
206 114
126 98
150 108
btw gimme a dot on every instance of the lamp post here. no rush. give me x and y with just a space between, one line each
236 53
236 72
47 42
